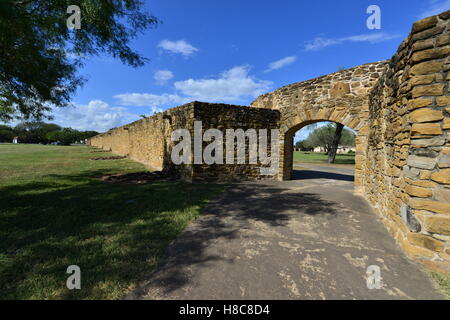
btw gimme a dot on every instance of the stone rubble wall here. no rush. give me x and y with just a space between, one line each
407 172
340 97
149 140
223 117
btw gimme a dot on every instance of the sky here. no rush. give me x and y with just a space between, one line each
232 51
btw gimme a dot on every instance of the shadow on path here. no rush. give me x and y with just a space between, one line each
312 174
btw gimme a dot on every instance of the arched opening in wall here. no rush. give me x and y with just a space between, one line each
320 150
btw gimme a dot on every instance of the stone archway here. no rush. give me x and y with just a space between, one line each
341 97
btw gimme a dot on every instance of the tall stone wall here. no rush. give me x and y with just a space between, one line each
407 175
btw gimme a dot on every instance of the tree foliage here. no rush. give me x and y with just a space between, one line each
40 56
41 132
324 136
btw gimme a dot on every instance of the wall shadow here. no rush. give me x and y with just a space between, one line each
313 174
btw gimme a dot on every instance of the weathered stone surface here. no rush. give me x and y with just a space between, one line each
418 191
340 89
419 103
429 54
420 80
426 68
443 101
424 24
428 90
446 124
432 142
426 128
442 194
441 176
430 205
424 152
426 115
423 44
421 162
425 241
443 40
438 224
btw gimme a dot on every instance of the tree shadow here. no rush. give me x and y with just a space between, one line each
223 219
115 233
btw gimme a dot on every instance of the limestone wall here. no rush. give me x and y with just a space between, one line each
223 117
340 97
149 140
407 175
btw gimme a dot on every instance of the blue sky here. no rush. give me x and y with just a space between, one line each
232 51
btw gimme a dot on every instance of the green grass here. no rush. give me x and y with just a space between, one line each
320 157
55 212
443 280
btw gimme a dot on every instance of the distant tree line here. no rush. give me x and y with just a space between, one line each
41 132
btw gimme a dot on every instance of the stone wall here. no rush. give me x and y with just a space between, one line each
407 175
340 97
149 140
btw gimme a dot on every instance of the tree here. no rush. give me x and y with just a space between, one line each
6 133
325 137
304 145
35 131
40 56
335 144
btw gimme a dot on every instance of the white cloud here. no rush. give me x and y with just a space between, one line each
232 85
321 42
281 63
96 115
435 7
162 76
151 100
179 46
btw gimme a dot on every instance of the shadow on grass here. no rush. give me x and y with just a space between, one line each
115 233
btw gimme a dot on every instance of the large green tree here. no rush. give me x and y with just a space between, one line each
40 55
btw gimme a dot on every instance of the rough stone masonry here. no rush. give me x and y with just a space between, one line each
399 108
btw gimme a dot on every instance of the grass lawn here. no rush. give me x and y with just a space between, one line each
320 157
55 212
